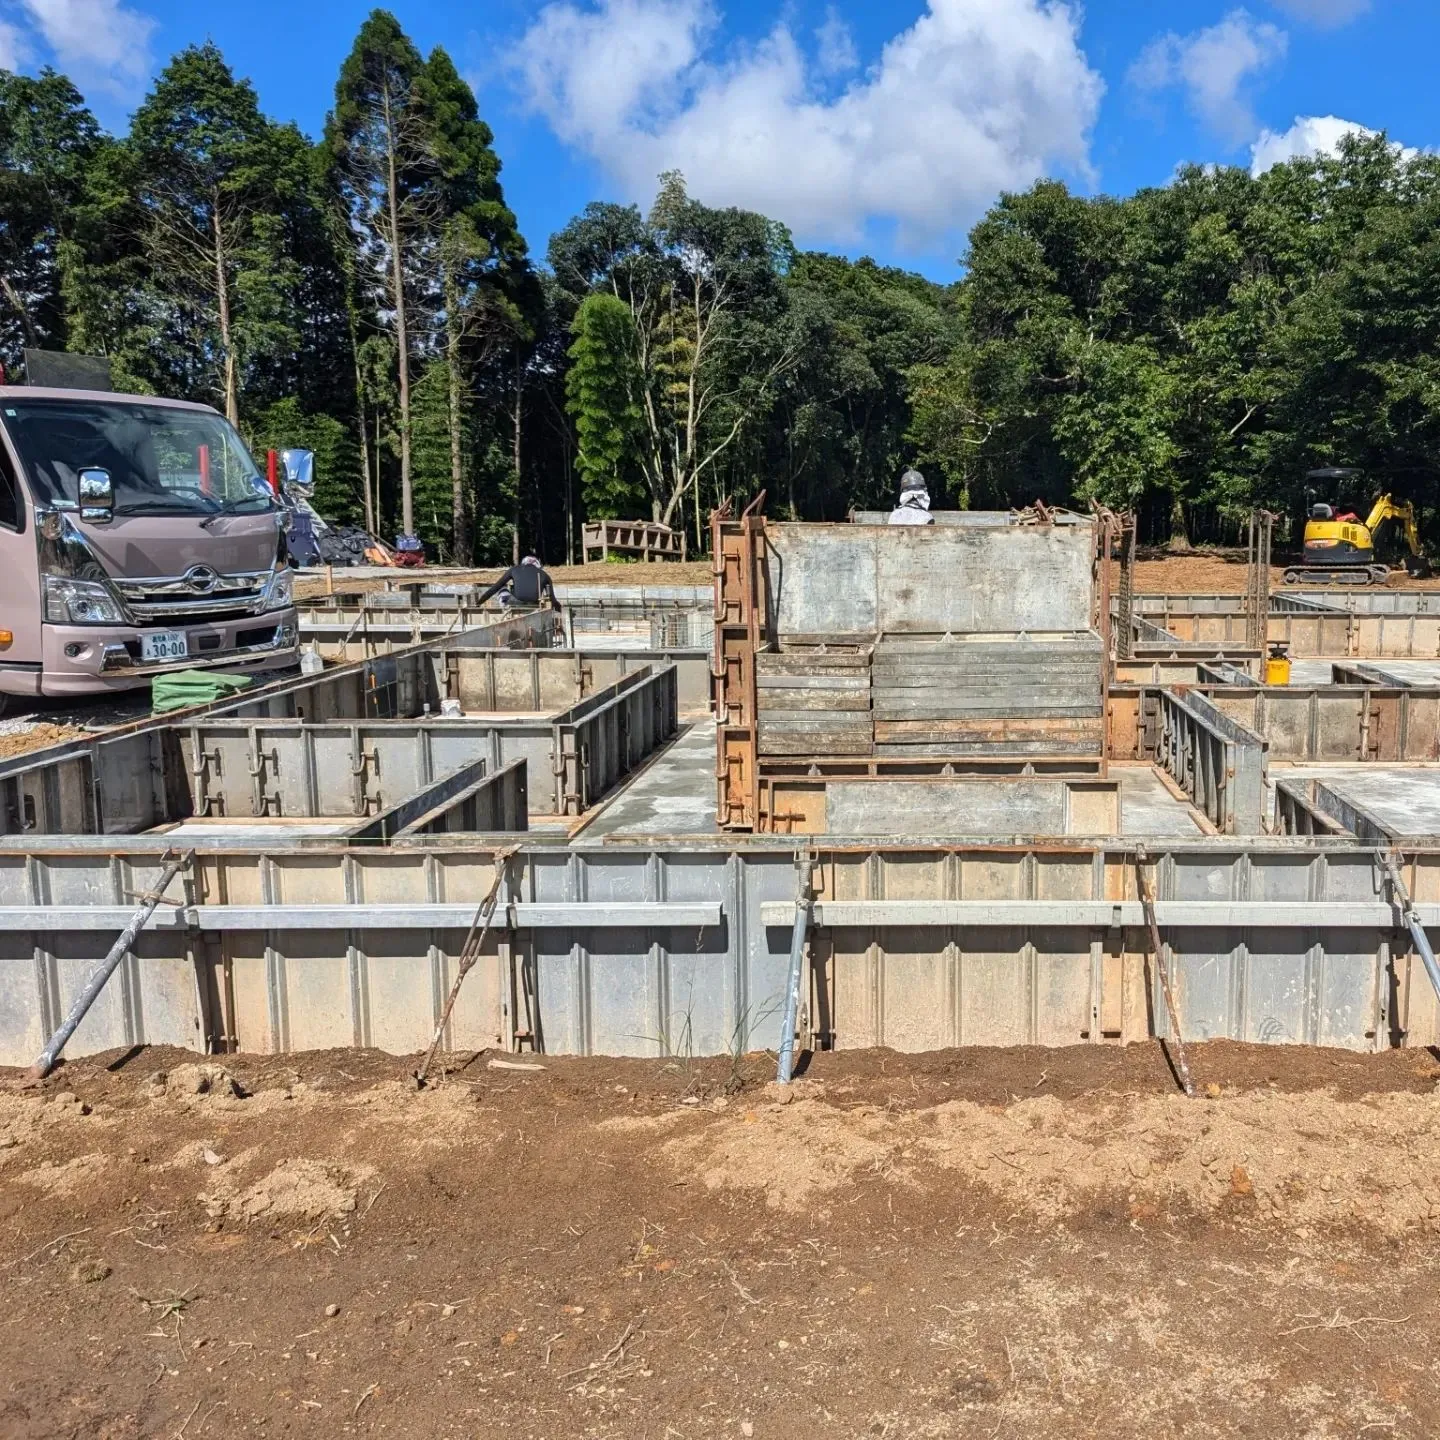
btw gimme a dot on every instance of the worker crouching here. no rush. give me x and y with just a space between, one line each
914 506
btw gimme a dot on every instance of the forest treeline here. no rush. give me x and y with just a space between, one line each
1189 351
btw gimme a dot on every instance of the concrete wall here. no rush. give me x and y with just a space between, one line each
863 579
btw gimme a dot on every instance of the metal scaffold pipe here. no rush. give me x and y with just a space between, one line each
106 968
1412 920
785 1069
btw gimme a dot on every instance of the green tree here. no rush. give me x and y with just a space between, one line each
704 288
486 288
383 172
47 140
287 423
212 179
601 391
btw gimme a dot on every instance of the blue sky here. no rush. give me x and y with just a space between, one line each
868 128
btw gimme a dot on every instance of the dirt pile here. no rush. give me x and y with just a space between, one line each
297 1189
1308 1158
191 1082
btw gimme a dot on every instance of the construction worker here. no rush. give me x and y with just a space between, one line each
523 584
914 506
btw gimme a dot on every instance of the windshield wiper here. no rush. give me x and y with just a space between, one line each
234 507
153 507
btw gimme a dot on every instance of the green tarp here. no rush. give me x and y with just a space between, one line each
194 687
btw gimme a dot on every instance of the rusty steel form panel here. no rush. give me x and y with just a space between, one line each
1360 722
741 631
959 620
1339 723
1125 609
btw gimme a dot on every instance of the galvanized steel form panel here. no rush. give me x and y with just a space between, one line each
1217 762
602 739
1334 969
288 768
1339 722
496 802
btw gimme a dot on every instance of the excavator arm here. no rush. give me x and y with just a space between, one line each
1387 509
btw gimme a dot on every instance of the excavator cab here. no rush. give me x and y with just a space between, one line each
1341 548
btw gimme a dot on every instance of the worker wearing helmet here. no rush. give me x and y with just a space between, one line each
914 506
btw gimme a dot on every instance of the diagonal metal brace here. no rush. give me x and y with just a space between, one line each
171 865
1411 917
469 954
1157 948
803 901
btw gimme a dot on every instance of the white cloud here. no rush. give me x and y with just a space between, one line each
835 45
1325 13
1309 135
14 47
975 97
1213 66
103 44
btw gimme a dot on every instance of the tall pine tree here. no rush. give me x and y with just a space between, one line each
383 170
213 177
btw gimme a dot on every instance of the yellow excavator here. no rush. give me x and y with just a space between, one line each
1343 549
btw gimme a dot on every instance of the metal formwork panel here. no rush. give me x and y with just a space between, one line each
1273 941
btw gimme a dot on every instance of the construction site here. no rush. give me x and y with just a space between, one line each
921 983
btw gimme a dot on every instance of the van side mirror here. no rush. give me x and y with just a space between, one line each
299 467
97 497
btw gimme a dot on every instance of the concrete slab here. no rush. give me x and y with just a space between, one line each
675 795
1147 808
1408 672
249 832
1316 670
1403 798
1312 671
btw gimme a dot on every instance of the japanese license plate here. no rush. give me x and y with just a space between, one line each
164 645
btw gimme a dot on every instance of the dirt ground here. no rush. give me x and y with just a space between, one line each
1203 572
1222 572
1017 1243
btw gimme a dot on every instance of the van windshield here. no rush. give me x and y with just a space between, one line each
162 461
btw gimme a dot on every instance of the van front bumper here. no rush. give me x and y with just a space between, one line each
86 659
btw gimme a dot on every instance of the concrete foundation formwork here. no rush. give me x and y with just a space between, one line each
355 626
950 646
676 949
339 836
1381 623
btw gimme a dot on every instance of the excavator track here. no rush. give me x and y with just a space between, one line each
1340 575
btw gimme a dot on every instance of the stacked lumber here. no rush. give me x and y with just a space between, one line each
988 695
814 702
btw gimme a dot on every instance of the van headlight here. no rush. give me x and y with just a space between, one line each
80 602
280 592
